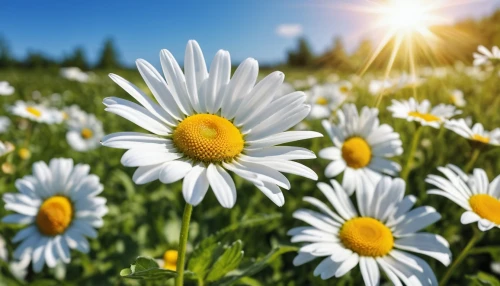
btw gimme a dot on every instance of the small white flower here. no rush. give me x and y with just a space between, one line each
378 235
75 74
457 98
476 133
4 124
486 57
495 267
409 81
6 89
325 98
378 86
474 193
5 148
362 148
206 123
59 204
411 110
4 254
85 132
36 112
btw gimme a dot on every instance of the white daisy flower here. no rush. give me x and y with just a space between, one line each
60 205
208 123
75 74
376 236
411 110
324 99
495 267
4 124
344 87
85 132
375 87
409 81
474 193
457 98
73 112
5 148
476 133
36 112
4 254
361 148
486 57
6 89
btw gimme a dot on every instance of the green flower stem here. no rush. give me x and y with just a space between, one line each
183 238
474 239
473 159
411 156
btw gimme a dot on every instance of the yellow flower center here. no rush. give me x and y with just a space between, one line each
425 116
54 215
344 89
486 207
356 152
321 101
367 237
87 133
208 138
170 260
24 153
65 115
482 139
34 111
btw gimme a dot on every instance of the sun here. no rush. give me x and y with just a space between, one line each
406 16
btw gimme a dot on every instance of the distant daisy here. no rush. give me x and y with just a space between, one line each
409 81
73 112
476 133
75 74
85 132
324 99
376 87
344 87
376 237
362 148
486 57
5 148
457 98
4 254
6 89
59 204
474 193
208 123
411 110
36 112
4 124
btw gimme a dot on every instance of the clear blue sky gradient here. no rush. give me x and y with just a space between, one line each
246 28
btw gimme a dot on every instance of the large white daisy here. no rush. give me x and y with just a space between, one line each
476 133
325 99
85 132
412 110
486 56
376 236
36 112
474 193
59 204
362 148
208 123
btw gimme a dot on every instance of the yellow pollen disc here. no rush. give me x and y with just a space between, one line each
54 215
170 260
482 139
34 111
65 115
208 138
425 116
486 207
24 153
344 89
367 237
356 152
321 101
87 133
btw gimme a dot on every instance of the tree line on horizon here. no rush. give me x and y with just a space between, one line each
456 42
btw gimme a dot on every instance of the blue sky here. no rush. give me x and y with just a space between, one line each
247 28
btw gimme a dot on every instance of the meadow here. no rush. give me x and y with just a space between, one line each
145 220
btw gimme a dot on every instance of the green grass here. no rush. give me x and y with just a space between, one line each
145 220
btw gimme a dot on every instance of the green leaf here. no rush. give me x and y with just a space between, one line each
147 268
257 266
209 249
227 262
483 279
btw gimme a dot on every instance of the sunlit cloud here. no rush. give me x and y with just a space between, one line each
289 30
